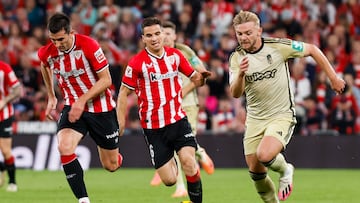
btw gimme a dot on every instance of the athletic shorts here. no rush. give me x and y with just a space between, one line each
280 127
102 127
192 113
164 141
6 127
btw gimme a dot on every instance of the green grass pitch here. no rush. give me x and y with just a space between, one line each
224 186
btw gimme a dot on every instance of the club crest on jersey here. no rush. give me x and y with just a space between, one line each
269 59
172 59
99 55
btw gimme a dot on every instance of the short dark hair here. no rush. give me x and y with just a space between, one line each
169 24
149 21
58 22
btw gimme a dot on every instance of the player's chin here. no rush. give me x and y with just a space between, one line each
245 45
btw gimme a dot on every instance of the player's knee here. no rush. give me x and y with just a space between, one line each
257 176
111 166
7 154
169 182
189 166
264 157
65 148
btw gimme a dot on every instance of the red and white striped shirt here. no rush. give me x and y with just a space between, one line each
157 83
76 71
8 80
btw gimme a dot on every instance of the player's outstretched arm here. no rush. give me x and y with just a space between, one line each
337 84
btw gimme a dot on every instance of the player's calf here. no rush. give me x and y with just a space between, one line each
112 165
264 187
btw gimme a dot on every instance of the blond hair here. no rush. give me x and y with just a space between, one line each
246 16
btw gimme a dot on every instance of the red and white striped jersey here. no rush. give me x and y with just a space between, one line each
76 71
157 83
8 80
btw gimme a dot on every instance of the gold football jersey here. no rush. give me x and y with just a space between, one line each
267 82
191 98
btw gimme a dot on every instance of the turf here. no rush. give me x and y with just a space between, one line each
224 186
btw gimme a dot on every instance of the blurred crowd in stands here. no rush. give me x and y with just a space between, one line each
206 26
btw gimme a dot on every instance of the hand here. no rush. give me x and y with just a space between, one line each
77 108
51 105
2 104
121 122
338 85
244 65
205 74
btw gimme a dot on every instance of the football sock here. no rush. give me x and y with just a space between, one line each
179 179
264 186
2 166
194 187
278 164
74 175
10 167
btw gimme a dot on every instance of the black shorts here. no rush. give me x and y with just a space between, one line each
164 141
6 127
102 127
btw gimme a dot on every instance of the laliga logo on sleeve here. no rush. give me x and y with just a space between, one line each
298 46
99 55
128 72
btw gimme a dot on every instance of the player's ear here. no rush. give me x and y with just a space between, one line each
260 31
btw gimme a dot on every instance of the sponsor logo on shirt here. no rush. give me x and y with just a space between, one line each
157 76
148 65
73 73
260 76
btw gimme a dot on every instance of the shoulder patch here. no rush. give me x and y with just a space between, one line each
99 55
128 72
298 46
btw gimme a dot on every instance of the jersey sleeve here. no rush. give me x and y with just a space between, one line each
234 62
290 48
184 65
190 55
42 56
10 78
130 76
95 54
